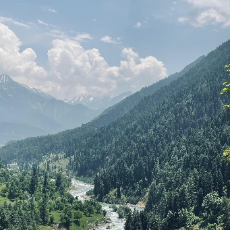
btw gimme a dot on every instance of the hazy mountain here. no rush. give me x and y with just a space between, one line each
98 102
69 116
39 92
34 113
17 131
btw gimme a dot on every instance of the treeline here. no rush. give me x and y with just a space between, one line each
215 214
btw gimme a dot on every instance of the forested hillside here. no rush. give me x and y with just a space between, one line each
166 147
32 149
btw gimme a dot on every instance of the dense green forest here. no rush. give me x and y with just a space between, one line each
34 199
165 149
32 149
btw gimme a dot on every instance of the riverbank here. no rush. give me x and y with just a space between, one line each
80 189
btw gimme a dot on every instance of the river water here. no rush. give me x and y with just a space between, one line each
116 224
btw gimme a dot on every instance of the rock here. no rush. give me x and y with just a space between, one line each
108 220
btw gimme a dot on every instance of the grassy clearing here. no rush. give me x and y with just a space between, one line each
58 163
3 196
85 222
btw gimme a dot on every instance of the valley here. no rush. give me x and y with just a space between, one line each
161 147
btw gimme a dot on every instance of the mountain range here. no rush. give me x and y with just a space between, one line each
98 102
64 141
27 112
162 146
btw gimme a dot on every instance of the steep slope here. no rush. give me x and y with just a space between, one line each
159 113
71 140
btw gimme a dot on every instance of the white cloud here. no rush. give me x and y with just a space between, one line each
139 72
42 23
174 3
45 8
52 10
94 20
58 34
77 71
138 25
10 20
182 19
108 39
20 65
46 24
82 37
74 71
207 12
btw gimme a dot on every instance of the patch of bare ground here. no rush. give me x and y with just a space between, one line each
141 204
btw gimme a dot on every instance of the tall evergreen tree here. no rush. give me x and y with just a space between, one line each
33 181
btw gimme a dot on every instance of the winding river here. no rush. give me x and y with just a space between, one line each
116 224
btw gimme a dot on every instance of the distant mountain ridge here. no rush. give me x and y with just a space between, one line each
32 112
98 102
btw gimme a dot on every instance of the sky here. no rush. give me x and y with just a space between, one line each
105 47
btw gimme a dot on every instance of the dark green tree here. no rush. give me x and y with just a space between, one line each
226 213
33 181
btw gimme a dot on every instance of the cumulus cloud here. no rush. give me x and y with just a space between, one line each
20 65
10 20
207 12
74 71
138 25
138 72
108 39
78 71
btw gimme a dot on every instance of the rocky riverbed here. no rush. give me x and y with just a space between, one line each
112 219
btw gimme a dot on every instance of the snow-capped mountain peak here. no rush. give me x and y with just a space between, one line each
97 102
4 78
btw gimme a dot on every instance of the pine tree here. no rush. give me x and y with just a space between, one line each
226 213
59 180
45 180
44 214
33 181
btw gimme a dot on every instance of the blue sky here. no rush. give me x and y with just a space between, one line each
76 47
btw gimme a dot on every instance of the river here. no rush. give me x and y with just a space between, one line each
116 224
